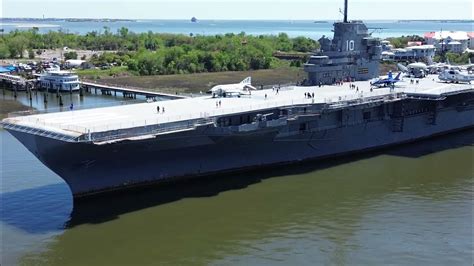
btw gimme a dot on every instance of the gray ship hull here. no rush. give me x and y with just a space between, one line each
89 168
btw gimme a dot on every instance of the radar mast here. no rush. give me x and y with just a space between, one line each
345 10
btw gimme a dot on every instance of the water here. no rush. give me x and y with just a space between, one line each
212 27
410 205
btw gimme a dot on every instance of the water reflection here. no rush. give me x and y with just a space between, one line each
406 205
374 209
89 100
108 207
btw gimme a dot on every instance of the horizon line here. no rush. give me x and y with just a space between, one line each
231 19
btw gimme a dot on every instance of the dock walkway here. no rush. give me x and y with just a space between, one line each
15 82
127 91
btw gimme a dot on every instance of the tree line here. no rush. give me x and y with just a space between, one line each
160 53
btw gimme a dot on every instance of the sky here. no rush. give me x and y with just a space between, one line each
241 9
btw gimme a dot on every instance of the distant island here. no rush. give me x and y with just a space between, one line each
320 21
194 19
98 20
436 20
67 19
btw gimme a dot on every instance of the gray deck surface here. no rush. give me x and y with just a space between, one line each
78 122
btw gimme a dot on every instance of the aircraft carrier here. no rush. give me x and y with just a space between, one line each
335 111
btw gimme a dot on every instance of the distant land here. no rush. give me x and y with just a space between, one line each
66 19
437 20
135 20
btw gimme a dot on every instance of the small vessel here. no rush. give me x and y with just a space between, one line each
59 80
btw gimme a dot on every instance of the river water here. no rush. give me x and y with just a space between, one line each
409 205
381 29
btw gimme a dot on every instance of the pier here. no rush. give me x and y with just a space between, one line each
17 83
107 89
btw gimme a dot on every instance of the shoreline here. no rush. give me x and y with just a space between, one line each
9 106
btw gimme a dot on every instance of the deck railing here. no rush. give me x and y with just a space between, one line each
166 123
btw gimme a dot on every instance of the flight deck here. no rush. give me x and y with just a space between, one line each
78 122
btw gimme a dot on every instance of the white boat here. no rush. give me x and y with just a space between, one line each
59 80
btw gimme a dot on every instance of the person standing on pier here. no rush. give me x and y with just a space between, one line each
158 109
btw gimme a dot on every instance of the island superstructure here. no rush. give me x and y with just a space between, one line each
352 54
238 128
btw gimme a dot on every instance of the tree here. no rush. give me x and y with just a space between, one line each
402 42
123 32
31 54
162 53
17 45
4 51
303 44
455 58
70 55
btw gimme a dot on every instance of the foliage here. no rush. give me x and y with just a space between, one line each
402 42
17 45
31 54
70 55
455 58
4 51
94 73
302 44
159 53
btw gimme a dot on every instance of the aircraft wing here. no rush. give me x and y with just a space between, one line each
402 67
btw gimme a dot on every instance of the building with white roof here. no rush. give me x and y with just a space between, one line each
452 41
417 53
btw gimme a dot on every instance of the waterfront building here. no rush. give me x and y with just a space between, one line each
413 53
450 41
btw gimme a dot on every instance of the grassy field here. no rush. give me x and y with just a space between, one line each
103 73
194 83
8 106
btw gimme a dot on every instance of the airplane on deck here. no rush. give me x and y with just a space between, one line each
389 81
455 76
228 90
416 70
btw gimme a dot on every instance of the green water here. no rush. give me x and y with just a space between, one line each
410 205
385 209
